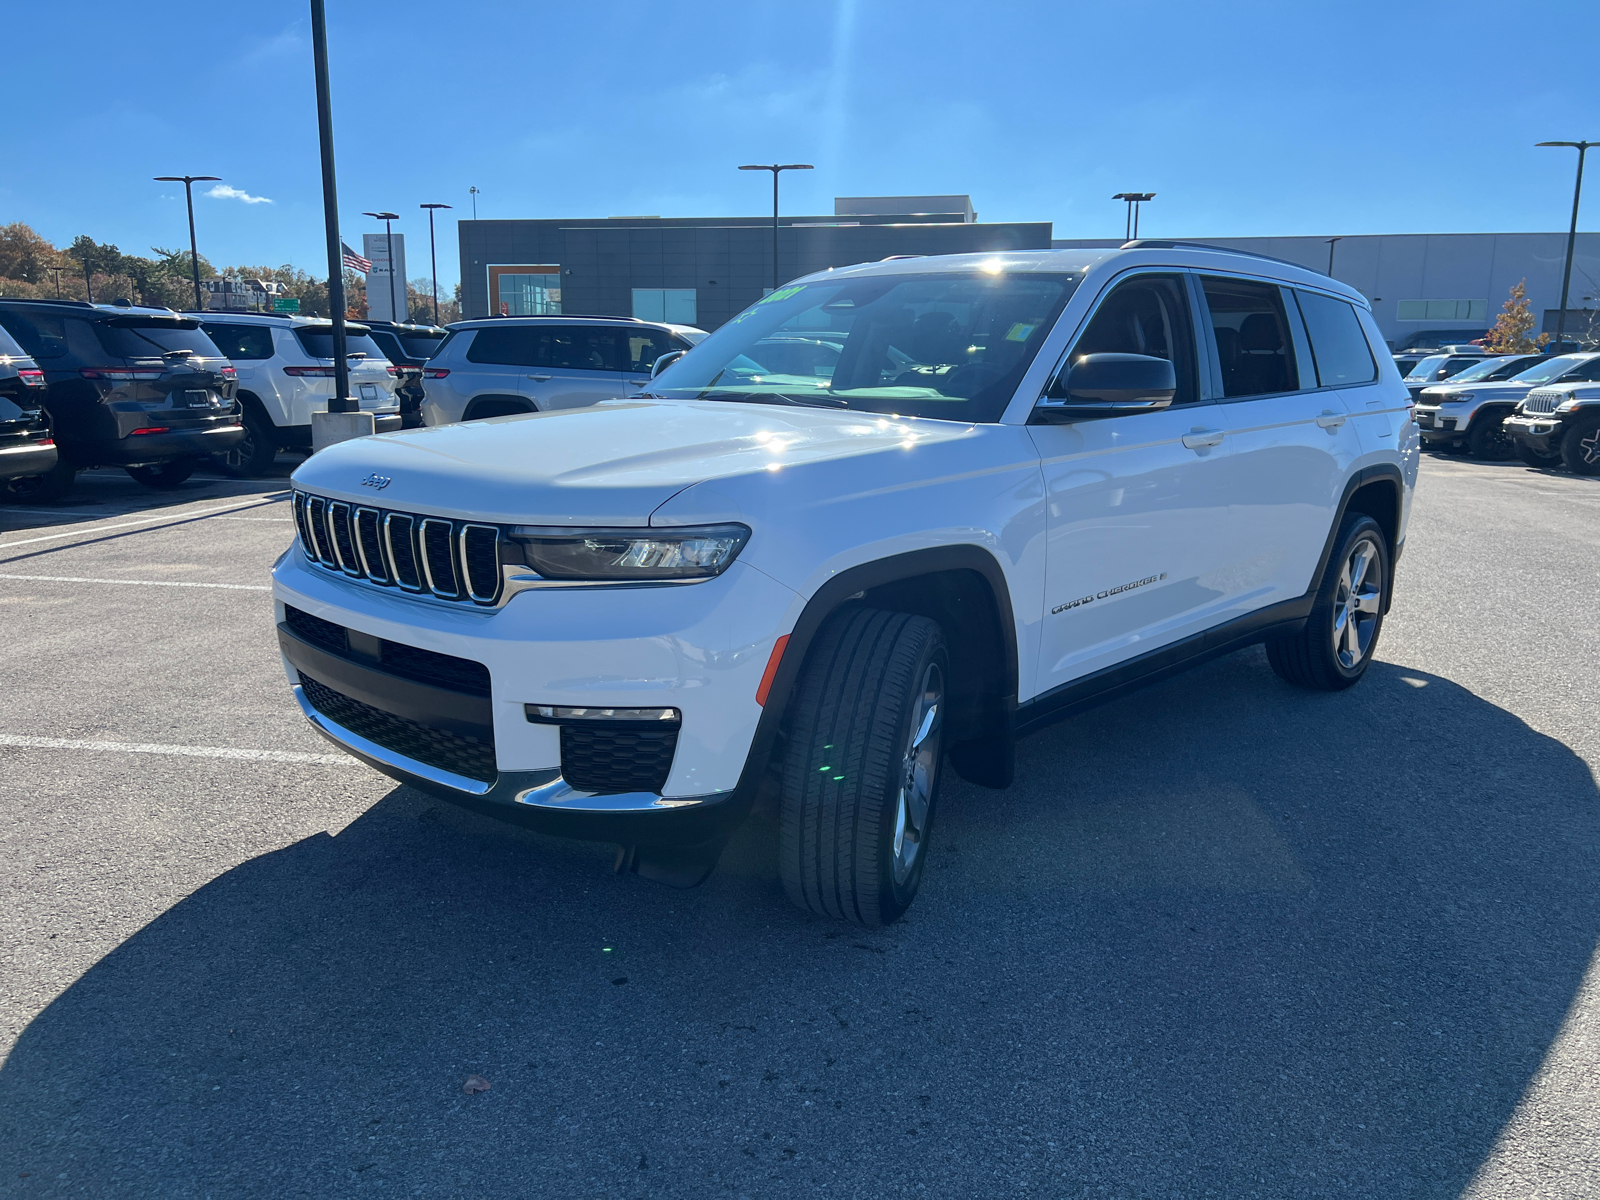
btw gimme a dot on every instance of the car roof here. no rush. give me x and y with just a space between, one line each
84 309
1146 252
560 319
292 320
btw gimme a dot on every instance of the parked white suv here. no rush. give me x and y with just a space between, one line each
285 367
506 365
1027 482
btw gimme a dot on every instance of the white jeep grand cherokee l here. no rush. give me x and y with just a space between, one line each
890 516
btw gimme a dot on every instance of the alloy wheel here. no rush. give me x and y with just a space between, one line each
919 768
1589 447
1357 604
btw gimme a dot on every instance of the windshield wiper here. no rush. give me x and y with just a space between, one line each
777 398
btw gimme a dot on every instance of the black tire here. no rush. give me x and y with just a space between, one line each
48 488
1489 439
163 476
1580 445
851 747
1323 655
1536 458
255 454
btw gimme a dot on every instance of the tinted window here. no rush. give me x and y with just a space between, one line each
388 343
641 349
421 345
242 342
133 338
42 335
1548 370
1426 368
1337 343
9 347
948 345
1587 372
1146 315
1252 336
318 343
563 347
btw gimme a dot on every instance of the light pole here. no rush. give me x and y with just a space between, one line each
56 271
776 169
188 182
388 248
1134 199
1572 234
341 401
1331 241
474 189
433 258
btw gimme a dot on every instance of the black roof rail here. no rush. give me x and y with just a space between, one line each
42 300
1162 244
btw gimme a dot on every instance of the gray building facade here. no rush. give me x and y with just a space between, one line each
703 270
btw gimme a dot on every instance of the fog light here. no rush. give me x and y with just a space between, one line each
556 714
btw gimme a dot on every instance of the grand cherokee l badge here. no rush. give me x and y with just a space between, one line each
377 481
1109 592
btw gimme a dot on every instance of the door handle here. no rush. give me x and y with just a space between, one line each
540 378
1330 419
1199 439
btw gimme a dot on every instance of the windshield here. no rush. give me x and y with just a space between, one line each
952 346
421 345
1490 368
1551 368
152 339
1428 366
318 342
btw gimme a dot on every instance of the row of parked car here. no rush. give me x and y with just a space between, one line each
159 392
1542 408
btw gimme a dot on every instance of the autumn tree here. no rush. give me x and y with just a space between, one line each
1512 326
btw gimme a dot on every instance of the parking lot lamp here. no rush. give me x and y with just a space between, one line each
341 401
56 271
433 258
1572 234
1331 241
776 169
188 182
1134 199
388 248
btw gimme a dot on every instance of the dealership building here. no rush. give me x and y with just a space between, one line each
703 270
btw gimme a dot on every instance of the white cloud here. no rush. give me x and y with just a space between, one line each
223 192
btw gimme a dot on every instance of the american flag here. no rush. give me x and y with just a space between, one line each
354 261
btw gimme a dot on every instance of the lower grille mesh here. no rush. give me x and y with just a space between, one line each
601 759
458 753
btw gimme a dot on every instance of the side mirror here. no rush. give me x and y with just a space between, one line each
665 361
1109 385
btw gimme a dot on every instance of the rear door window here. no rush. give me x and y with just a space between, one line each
1338 345
241 342
42 335
554 347
134 338
1254 348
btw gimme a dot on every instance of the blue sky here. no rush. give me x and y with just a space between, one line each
1245 118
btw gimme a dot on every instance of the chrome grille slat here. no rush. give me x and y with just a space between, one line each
432 556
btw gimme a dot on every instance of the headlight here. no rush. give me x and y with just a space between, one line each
690 552
1568 405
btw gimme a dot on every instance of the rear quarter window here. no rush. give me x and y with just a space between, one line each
42 335
1338 345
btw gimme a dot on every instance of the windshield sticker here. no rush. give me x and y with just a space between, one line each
1020 332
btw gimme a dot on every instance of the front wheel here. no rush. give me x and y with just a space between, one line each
861 773
1580 446
163 476
53 485
1489 440
1335 647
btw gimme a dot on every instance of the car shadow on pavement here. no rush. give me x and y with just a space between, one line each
1222 938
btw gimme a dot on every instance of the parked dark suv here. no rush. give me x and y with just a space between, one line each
139 388
408 347
26 449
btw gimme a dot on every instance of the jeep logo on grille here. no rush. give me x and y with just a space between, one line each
377 481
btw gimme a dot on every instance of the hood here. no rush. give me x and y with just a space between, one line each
612 464
1478 391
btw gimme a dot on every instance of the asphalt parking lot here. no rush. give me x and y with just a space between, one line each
1223 938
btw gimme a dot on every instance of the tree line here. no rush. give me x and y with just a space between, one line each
32 267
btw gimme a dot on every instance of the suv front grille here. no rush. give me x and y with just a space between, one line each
453 560
454 752
595 758
1542 402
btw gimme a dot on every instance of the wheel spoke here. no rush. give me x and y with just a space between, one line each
1352 640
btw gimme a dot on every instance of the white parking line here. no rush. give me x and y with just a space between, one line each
292 756
232 587
167 516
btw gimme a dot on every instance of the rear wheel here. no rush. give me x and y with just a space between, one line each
1580 445
53 485
861 773
255 454
1489 439
1334 649
163 476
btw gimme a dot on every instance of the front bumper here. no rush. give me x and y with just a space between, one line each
25 459
1441 428
1542 432
699 648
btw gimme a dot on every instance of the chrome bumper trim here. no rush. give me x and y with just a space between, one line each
560 794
